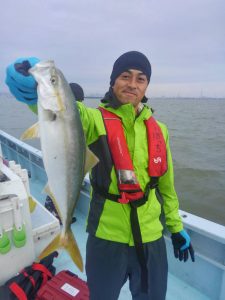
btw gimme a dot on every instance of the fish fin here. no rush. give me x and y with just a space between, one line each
31 133
53 246
51 195
32 204
90 161
73 250
68 242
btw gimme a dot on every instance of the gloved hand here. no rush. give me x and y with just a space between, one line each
182 246
21 84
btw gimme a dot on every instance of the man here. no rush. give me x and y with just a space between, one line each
132 186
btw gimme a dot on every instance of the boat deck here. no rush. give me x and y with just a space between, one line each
202 280
177 289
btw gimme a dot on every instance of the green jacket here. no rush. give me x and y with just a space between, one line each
113 223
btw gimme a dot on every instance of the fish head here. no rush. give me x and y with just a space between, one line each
50 85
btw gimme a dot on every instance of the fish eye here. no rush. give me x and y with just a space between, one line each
53 80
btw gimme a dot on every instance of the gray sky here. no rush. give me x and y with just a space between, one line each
183 39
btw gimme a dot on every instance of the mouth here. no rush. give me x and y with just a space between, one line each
129 93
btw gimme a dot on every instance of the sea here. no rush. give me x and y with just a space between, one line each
197 139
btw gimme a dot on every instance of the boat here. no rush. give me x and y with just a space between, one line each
202 280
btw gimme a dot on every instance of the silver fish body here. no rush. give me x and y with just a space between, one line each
62 138
63 148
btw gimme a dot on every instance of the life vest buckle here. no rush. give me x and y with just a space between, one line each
123 199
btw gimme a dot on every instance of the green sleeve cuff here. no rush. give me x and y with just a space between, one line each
33 107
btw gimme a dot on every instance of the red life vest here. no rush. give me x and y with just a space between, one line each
128 185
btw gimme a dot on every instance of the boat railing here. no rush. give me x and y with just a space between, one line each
207 274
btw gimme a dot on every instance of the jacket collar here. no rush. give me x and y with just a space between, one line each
126 112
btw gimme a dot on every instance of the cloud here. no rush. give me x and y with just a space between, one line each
184 40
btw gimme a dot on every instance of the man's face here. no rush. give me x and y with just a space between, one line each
130 87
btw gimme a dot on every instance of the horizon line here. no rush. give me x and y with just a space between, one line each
99 96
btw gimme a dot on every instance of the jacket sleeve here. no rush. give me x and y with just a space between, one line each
92 122
33 108
167 189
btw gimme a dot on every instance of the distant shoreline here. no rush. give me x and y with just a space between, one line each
98 97
168 98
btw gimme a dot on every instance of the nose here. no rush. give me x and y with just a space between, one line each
132 82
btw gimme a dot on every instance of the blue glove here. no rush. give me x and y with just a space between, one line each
182 246
21 84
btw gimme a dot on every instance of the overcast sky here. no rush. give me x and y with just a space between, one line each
183 39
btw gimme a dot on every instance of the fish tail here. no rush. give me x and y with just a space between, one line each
53 246
68 242
73 250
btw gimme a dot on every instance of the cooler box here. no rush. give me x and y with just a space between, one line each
40 226
14 211
64 286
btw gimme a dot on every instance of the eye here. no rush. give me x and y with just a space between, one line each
125 75
53 80
142 79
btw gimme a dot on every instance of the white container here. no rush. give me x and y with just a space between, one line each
40 226
16 258
45 227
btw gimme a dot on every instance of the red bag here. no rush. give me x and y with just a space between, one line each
64 286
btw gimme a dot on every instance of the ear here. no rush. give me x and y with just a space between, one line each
111 90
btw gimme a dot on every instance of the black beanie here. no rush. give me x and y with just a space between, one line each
131 60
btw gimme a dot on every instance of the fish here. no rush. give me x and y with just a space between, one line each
66 157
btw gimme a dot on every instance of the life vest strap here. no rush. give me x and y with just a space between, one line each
104 193
30 277
139 247
18 291
153 184
46 274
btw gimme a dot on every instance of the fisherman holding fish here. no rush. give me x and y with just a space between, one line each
133 193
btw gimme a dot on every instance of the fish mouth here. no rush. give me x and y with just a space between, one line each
41 65
41 71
